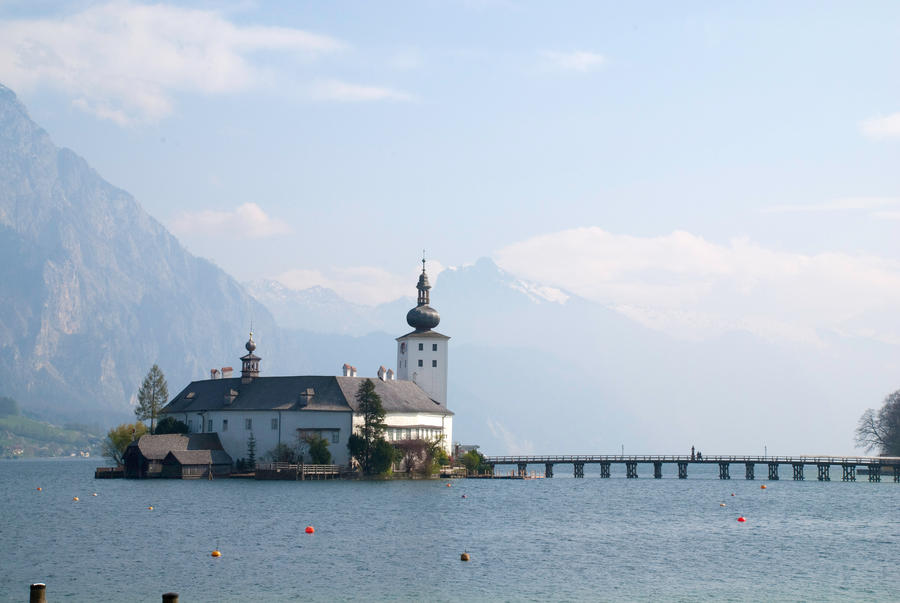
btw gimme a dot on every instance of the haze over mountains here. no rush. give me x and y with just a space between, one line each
94 291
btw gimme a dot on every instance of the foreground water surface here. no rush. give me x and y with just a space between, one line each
536 540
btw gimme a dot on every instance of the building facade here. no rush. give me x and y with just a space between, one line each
284 410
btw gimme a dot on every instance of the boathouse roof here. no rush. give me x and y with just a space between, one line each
156 447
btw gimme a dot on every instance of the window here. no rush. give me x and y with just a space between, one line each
248 423
224 424
420 362
209 425
421 346
274 424
434 347
433 363
335 436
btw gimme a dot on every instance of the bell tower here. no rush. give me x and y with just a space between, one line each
250 362
422 353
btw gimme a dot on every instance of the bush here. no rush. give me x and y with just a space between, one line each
171 425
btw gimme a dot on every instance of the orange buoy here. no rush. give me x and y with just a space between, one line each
741 519
310 530
732 493
75 498
149 508
94 494
448 485
721 504
39 489
464 496
464 557
763 487
216 553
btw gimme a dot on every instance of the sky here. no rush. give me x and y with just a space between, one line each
698 166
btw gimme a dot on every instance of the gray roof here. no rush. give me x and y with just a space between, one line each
428 333
199 457
156 447
288 393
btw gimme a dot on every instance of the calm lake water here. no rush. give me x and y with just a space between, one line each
538 540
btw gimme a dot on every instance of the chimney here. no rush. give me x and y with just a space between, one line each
226 372
346 370
390 374
381 372
213 373
353 371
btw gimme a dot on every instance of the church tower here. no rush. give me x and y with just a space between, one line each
422 354
250 362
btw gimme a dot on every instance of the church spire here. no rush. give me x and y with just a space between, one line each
423 317
250 361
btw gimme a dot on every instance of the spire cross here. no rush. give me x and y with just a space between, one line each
423 260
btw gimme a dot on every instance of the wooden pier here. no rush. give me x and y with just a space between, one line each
292 471
875 466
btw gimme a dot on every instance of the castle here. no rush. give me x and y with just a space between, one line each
284 410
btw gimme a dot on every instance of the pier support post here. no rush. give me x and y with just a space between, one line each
798 471
849 473
897 473
170 598
523 469
823 472
38 593
773 471
682 469
604 470
723 471
548 469
579 469
631 469
874 473
749 469
657 470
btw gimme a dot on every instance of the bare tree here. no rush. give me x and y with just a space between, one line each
880 429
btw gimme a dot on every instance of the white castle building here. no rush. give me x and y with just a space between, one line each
282 410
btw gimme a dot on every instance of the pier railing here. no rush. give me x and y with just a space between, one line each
873 465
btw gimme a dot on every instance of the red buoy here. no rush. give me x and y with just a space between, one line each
310 529
741 519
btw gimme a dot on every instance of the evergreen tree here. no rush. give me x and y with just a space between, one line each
251 452
152 396
371 432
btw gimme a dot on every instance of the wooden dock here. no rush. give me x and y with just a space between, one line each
874 466
298 472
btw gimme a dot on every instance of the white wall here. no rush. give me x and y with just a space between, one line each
234 439
433 380
444 422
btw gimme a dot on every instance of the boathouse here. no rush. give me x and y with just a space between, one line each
194 464
145 457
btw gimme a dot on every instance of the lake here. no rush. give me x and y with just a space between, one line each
559 539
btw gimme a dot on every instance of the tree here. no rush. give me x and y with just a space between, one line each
152 396
251 452
282 453
473 461
171 425
371 432
880 429
118 439
317 447
8 407
383 457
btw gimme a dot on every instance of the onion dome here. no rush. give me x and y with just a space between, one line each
423 317
250 345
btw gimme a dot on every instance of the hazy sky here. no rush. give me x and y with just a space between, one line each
698 166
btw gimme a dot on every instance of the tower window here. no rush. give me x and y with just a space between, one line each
434 347
209 425
274 423
224 424
420 362
433 363
248 423
421 346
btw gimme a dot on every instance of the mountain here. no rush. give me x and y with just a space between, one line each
95 290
